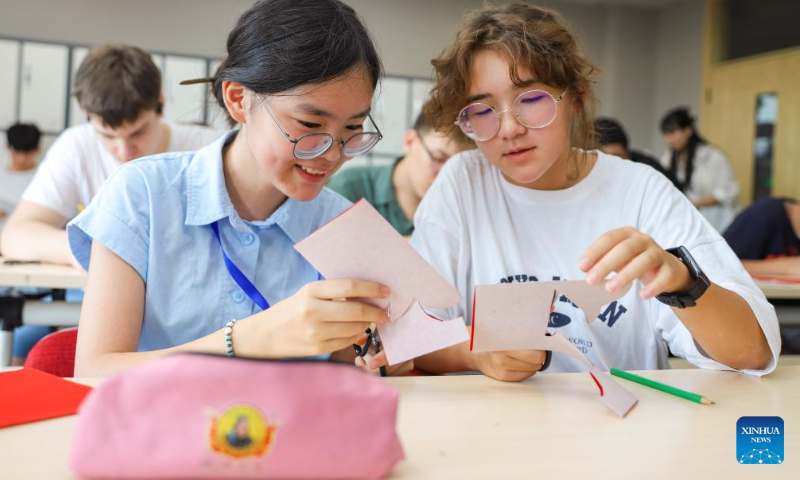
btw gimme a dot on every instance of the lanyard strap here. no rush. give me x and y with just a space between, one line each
238 276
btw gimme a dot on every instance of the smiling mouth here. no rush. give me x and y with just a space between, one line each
312 171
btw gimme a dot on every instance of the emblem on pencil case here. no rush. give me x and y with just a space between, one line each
242 431
759 440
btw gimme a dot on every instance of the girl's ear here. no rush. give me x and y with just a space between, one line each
233 93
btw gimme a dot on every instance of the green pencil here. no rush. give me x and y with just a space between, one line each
660 386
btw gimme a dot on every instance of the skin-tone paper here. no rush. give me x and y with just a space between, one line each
360 244
514 317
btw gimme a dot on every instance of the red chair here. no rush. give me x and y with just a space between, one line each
55 353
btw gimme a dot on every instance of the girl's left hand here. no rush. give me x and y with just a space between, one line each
632 254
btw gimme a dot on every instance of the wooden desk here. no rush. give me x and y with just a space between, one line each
56 313
41 275
786 299
550 427
780 291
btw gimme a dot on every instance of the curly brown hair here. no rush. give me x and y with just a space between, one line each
533 37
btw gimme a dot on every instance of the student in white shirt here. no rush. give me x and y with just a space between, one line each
22 143
703 171
535 202
119 88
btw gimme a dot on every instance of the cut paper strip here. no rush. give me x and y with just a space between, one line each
361 244
514 317
615 397
418 333
589 298
30 395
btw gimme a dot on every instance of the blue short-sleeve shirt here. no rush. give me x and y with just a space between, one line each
156 214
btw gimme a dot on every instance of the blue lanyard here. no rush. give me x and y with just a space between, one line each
240 278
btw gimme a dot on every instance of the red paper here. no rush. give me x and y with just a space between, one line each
30 395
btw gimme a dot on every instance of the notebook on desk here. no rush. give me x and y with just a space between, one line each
30 395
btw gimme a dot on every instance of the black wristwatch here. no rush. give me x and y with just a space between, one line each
687 298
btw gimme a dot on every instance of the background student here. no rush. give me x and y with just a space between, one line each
395 190
703 171
536 199
614 141
766 237
160 232
22 142
119 88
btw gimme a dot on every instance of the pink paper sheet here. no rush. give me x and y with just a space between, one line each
418 333
361 244
514 317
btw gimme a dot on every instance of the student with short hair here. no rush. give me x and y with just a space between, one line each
22 143
396 189
194 251
766 237
614 141
119 88
537 202
23 146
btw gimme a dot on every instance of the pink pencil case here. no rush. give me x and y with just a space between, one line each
207 416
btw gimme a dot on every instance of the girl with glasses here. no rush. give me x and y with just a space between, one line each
537 202
194 251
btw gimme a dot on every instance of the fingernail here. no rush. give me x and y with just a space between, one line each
644 294
583 263
612 286
385 292
591 278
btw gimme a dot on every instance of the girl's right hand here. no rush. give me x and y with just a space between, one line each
509 366
321 317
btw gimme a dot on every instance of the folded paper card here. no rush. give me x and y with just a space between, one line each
515 316
30 395
361 244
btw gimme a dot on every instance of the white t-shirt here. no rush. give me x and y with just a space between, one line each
12 184
711 175
77 165
476 228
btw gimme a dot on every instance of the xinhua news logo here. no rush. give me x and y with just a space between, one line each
759 440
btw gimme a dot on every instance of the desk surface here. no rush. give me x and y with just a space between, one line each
473 427
780 291
42 275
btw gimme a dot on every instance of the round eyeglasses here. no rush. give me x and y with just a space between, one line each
313 145
533 109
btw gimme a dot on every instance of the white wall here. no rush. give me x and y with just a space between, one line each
679 62
650 57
